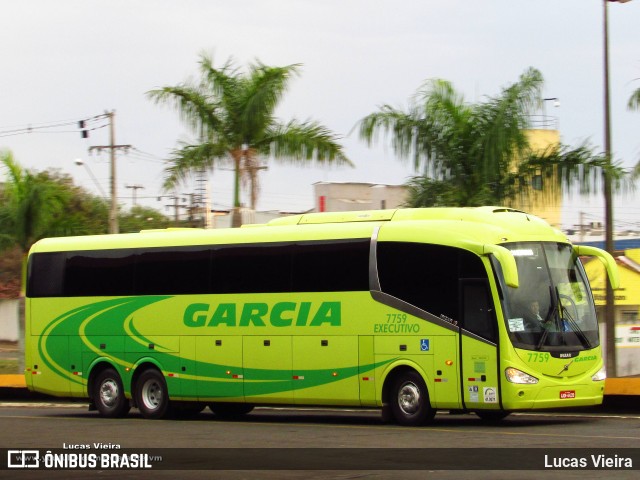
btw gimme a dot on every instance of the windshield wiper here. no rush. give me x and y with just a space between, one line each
553 306
574 325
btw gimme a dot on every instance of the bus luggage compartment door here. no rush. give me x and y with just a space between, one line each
219 368
267 368
325 370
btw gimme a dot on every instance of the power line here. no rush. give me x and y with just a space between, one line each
85 125
146 154
136 154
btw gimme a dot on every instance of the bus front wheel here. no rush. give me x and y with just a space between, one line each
108 394
409 401
152 396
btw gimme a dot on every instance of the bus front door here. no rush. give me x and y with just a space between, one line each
478 348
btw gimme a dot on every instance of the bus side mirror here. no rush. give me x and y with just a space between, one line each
605 257
507 262
504 257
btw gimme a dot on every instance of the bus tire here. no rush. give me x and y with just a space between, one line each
409 400
230 410
492 415
152 396
108 394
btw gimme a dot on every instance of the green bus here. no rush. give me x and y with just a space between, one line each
484 310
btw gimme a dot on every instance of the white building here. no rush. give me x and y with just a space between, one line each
351 196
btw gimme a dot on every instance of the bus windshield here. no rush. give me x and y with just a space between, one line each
553 309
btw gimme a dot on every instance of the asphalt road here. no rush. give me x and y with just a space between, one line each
56 426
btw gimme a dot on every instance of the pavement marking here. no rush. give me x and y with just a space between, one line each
580 415
42 404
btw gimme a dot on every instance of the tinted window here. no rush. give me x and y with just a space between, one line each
325 266
108 272
331 267
478 312
256 269
45 275
429 276
172 272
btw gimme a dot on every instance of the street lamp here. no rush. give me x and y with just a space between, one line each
80 162
609 312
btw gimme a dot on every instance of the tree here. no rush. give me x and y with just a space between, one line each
30 204
142 218
27 208
34 205
81 212
48 204
477 154
232 113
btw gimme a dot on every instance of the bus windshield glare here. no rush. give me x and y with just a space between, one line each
553 309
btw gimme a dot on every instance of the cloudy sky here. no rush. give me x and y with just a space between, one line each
66 60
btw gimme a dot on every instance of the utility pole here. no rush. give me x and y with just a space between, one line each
135 188
609 308
193 207
176 206
112 147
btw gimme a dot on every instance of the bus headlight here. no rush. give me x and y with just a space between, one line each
601 375
518 376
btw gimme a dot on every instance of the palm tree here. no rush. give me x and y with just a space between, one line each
28 206
30 203
476 154
233 115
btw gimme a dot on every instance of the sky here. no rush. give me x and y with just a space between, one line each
67 60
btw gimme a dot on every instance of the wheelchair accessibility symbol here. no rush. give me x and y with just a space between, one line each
424 345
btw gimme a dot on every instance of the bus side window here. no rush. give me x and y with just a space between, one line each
173 272
337 266
427 276
91 273
45 275
477 309
420 274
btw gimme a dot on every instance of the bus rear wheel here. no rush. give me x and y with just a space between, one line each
409 401
152 396
108 394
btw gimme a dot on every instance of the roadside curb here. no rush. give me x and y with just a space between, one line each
622 386
12 381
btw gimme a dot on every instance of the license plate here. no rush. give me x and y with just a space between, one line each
567 394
